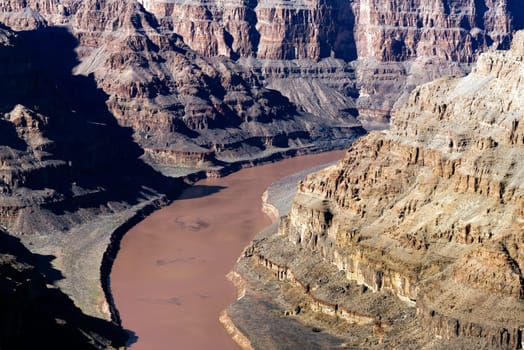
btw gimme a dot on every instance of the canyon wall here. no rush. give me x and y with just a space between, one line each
207 83
430 212
388 31
185 109
398 44
61 150
96 97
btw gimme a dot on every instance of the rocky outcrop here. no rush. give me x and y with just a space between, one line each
451 30
264 29
59 151
430 211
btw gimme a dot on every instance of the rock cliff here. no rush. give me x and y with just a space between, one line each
184 109
428 216
60 149
399 44
388 31
93 93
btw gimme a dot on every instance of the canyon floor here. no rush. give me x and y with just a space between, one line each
168 279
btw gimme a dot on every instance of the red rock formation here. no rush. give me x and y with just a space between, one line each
424 35
388 31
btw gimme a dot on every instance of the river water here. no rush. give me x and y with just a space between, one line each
168 280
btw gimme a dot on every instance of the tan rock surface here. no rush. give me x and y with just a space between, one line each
430 211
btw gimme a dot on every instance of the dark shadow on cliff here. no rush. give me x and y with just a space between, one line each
37 72
9 137
343 41
517 14
12 245
251 17
198 191
480 11
34 315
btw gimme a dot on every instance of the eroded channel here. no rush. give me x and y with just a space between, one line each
168 280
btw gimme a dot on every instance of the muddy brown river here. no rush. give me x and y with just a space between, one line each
168 280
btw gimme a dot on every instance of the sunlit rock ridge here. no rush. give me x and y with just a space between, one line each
416 238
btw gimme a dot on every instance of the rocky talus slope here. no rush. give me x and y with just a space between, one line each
415 239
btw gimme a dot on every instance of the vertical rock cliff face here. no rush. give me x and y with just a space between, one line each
431 211
450 30
399 44
60 146
389 31
276 30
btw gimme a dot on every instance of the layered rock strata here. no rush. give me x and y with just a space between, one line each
430 213
59 152
185 109
69 174
91 92
389 31
395 39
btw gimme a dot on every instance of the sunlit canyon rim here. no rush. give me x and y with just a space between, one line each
110 108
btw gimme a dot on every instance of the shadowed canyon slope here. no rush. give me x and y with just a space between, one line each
92 93
185 110
416 238
69 174
35 315
61 149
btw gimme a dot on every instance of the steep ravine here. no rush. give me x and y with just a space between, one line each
99 97
96 92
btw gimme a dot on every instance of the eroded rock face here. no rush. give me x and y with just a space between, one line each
61 149
388 31
431 211
399 44
263 29
185 109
